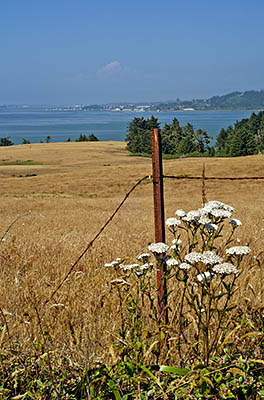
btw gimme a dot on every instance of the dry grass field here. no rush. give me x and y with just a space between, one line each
76 187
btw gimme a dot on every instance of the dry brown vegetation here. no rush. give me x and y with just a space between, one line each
76 188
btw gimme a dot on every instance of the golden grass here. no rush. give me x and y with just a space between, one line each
77 187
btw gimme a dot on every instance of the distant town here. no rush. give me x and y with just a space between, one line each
247 100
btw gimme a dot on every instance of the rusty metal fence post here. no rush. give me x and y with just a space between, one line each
158 196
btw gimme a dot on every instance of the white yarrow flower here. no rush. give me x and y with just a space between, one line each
217 205
185 266
225 268
176 241
204 220
193 257
143 257
129 267
171 262
192 216
209 257
115 263
238 250
180 213
235 222
173 222
219 213
211 227
158 247
144 266
205 275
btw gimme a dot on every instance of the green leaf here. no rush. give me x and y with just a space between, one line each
114 389
156 380
174 370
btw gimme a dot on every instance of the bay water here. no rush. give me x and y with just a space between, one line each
35 124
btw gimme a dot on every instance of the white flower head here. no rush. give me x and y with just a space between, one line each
129 267
217 205
185 266
193 257
205 276
173 222
225 268
235 222
180 213
209 257
192 216
108 265
204 220
171 262
176 241
211 227
219 213
115 263
238 250
144 257
144 266
158 248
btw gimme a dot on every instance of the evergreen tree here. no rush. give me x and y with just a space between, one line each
243 143
221 140
202 140
187 145
138 137
5 141
171 137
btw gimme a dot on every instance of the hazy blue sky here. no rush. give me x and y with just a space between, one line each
98 51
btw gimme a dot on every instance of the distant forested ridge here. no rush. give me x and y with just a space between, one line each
246 137
248 100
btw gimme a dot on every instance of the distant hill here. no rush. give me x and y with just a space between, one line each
248 100
237 100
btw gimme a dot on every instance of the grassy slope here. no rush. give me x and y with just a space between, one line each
77 187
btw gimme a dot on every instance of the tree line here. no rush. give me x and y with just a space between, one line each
176 139
5 141
246 137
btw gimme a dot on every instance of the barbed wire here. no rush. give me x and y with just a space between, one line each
90 244
213 177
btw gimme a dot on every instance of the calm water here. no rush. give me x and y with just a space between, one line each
36 124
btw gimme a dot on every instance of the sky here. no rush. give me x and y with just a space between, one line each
101 51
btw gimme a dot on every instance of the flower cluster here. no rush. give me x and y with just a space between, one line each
225 268
238 250
137 268
209 215
171 222
209 221
158 248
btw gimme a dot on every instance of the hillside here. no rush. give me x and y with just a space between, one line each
64 193
232 101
